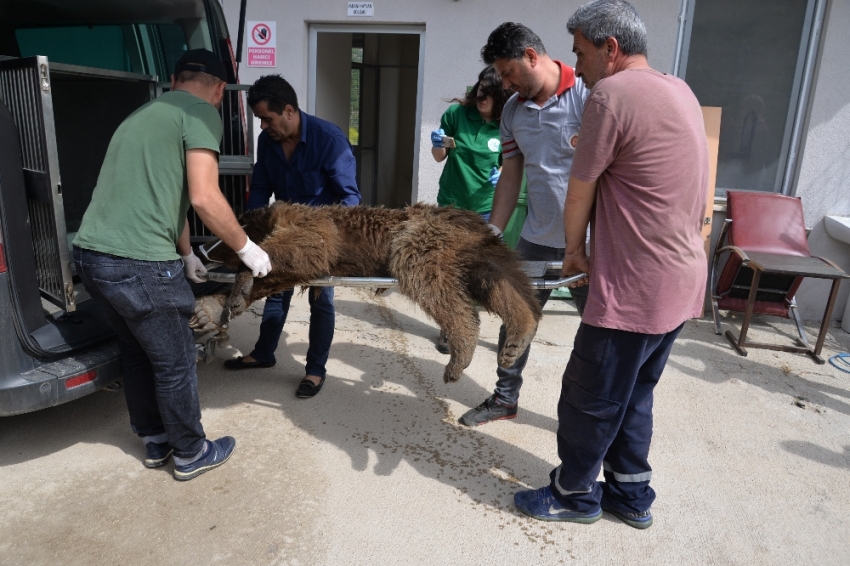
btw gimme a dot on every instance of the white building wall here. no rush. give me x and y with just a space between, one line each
455 31
824 181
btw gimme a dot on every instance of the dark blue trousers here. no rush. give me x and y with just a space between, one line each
148 304
321 334
605 418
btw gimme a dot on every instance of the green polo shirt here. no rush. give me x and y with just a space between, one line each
465 179
139 205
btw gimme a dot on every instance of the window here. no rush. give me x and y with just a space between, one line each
96 46
151 49
749 58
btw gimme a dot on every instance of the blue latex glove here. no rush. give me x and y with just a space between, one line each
437 138
494 176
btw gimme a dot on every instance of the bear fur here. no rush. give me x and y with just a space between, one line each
445 261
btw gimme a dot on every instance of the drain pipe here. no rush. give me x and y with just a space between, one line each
680 37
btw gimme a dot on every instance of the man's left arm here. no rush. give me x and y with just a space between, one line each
341 169
577 208
596 147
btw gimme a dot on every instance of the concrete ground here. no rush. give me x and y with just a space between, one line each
750 455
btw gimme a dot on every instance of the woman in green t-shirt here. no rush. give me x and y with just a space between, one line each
473 153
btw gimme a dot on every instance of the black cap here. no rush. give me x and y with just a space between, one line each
203 61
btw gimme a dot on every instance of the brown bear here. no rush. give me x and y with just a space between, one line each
445 261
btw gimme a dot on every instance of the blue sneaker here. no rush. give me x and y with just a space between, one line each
541 504
156 455
217 452
642 520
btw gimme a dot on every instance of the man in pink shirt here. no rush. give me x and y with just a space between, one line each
642 161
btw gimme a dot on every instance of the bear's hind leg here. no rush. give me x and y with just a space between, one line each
519 312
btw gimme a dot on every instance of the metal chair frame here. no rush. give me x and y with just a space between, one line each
761 263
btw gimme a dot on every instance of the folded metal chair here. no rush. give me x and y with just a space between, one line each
768 259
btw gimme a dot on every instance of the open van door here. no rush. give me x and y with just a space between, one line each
25 88
56 122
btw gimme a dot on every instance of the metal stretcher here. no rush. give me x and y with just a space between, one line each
542 274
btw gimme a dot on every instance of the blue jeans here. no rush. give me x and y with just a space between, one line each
605 418
148 304
322 321
510 379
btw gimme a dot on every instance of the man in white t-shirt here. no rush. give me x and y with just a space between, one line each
540 125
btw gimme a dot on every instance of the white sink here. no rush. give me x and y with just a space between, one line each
838 227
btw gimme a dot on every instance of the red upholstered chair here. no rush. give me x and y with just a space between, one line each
768 259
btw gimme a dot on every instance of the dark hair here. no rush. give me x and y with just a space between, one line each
509 41
275 91
601 19
489 84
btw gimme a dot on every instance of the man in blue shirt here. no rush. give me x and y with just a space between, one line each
300 159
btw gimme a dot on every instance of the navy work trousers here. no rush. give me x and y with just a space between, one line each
321 333
148 304
605 418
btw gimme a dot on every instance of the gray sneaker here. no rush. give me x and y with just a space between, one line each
490 410
157 454
217 452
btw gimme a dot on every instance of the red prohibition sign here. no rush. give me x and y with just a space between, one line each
261 34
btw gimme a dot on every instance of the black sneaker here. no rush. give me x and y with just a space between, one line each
642 520
443 343
157 455
490 410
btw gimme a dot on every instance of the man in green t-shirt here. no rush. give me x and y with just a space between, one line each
132 252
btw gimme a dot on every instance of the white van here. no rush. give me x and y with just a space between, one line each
70 72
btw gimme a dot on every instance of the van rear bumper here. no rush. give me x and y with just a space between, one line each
60 381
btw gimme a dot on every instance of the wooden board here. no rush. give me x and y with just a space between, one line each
711 118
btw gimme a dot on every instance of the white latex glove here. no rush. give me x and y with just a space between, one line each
255 258
193 267
496 231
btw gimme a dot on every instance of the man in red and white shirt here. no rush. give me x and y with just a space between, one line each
539 129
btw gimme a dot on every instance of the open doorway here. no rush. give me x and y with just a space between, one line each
368 82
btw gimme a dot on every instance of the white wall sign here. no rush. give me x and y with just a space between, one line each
261 44
361 9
